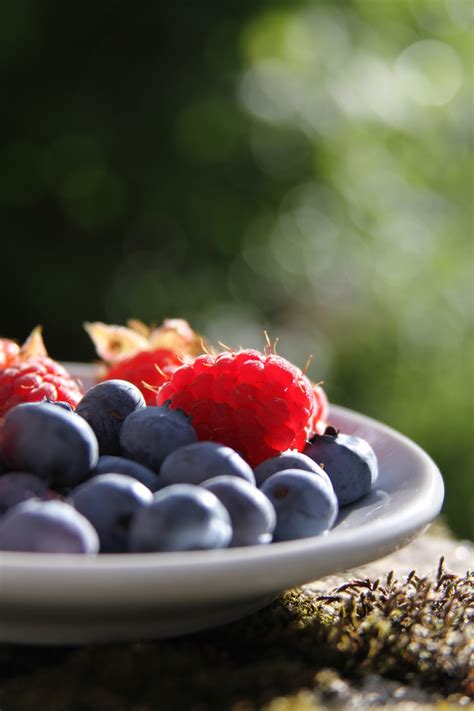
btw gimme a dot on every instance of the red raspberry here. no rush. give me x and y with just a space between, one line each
259 404
8 352
147 370
33 379
142 355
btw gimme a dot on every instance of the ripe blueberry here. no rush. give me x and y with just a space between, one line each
199 461
48 441
181 517
304 504
109 501
252 514
291 459
47 527
105 407
148 435
349 461
16 487
120 465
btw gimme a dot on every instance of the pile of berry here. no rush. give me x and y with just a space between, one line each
231 450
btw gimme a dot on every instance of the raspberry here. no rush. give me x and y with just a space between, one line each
258 404
145 357
33 379
147 370
8 352
31 376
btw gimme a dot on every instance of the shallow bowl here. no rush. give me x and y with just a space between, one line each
70 599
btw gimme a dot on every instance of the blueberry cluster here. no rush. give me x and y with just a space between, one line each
118 476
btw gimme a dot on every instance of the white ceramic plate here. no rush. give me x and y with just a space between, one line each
53 599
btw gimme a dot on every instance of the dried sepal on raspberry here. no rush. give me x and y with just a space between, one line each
34 345
259 404
115 343
32 376
142 355
176 335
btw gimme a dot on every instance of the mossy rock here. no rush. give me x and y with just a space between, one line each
304 652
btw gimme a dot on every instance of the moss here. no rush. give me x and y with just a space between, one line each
293 656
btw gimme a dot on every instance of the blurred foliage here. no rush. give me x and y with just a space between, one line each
303 167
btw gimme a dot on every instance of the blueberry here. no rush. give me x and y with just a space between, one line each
150 434
349 461
109 502
119 465
48 441
199 461
252 514
105 406
47 527
305 505
16 487
291 459
181 517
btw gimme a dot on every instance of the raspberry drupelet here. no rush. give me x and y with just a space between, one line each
257 403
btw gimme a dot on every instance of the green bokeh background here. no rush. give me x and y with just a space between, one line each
300 167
